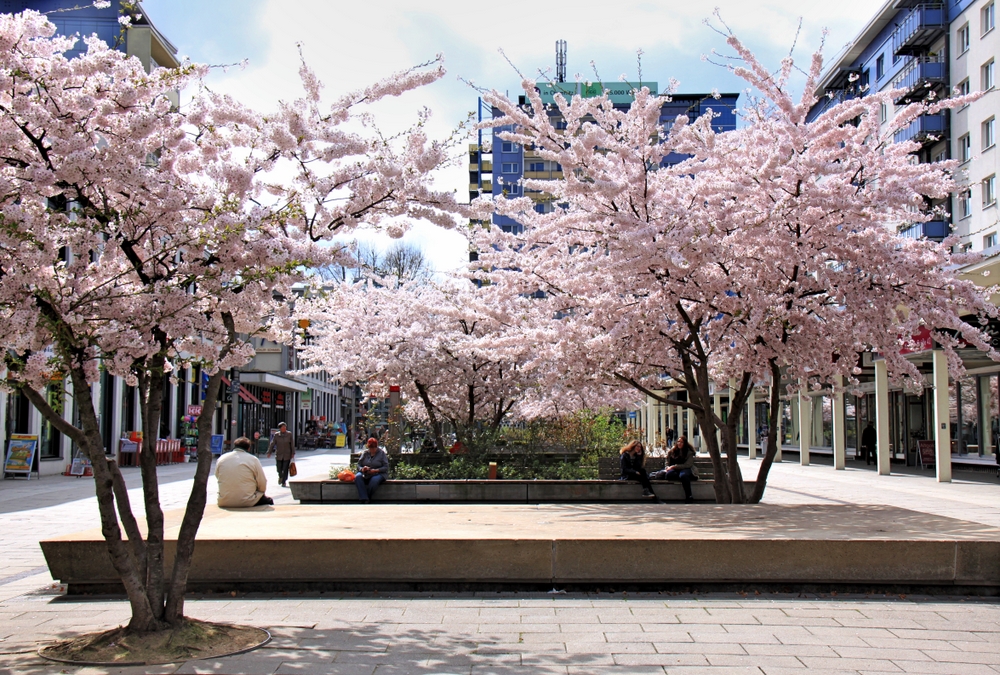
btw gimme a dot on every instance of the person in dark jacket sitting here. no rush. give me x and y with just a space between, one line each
373 469
680 466
633 463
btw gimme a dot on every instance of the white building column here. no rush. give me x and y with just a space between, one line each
839 422
689 414
3 420
985 414
752 423
942 432
650 421
882 415
717 409
805 426
116 419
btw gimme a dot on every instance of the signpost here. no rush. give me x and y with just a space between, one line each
926 452
22 455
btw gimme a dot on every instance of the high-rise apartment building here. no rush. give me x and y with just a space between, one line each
498 168
929 49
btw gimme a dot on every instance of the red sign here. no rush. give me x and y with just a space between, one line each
322 418
265 396
921 342
279 400
194 410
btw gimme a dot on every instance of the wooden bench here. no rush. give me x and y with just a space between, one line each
609 468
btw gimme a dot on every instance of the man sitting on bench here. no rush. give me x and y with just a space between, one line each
680 466
241 478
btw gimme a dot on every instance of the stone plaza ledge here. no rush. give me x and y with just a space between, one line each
566 546
322 490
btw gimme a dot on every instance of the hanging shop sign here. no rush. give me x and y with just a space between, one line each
217 443
306 400
22 455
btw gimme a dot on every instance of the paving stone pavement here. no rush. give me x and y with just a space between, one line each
376 634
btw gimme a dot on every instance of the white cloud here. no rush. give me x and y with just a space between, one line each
351 44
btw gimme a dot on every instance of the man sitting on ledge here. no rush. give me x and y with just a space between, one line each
241 478
373 468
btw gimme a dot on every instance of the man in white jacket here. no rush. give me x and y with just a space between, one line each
241 478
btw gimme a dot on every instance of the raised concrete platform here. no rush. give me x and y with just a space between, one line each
322 490
567 546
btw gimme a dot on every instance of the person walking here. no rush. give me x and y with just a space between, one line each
869 444
283 447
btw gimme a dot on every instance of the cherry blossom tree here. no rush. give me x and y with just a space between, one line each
770 256
441 342
137 238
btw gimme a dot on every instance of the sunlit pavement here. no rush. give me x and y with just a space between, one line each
769 634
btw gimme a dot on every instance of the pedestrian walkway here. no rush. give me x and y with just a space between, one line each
372 634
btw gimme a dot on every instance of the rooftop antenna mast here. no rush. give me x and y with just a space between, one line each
560 60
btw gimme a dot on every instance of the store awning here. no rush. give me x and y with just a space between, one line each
245 394
272 381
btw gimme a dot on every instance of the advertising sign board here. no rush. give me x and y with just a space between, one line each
22 455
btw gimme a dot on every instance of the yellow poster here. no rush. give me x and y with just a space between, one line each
20 454
341 440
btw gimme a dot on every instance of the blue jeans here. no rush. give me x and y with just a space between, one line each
684 476
367 486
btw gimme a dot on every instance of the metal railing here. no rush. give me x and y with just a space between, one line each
915 29
923 128
923 72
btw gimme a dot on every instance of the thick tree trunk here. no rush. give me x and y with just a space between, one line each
195 511
431 415
151 402
88 437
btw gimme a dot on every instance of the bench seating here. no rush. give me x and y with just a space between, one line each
321 490
609 468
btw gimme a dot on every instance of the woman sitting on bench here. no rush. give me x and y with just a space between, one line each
633 463
680 466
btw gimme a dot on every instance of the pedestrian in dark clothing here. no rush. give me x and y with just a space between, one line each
633 462
869 444
680 466
373 469
283 446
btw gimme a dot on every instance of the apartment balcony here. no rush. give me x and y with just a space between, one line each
935 230
922 26
923 75
543 175
924 129
487 188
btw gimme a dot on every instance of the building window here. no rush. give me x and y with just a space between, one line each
965 148
880 67
963 39
536 166
988 136
990 190
965 203
987 75
507 146
990 240
513 189
989 17
883 113
963 88
509 167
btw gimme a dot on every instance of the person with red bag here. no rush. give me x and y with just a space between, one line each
373 469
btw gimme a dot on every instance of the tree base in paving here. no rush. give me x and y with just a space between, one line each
189 640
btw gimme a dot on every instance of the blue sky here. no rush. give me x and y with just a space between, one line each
351 44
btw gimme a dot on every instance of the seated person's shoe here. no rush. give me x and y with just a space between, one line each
689 500
647 493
